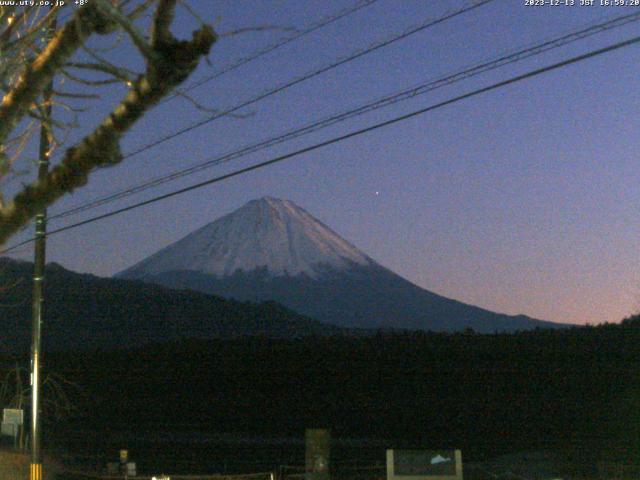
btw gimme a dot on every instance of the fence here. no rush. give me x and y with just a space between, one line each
163 476
339 471
14 468
350 460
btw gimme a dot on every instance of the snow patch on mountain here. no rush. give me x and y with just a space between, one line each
269 233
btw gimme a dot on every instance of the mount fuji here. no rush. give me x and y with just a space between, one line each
272 249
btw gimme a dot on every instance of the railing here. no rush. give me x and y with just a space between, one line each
74 475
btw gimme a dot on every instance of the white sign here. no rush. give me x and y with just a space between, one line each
424 465
9 430
13 415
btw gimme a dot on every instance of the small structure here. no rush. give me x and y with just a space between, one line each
424 465
317 454
124 468
12 421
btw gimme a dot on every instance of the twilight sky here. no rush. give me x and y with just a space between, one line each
522 200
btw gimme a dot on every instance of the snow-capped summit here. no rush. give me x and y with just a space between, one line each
267 233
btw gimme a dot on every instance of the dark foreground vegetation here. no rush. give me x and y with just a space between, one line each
574 391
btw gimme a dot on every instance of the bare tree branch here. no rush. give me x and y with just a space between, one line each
38 74
138 39
33 31
161 26
204 108
140 9
86 81
119 73
264 28
171 63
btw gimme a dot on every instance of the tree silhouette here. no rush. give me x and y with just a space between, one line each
29 60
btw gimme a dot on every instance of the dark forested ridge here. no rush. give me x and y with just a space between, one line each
574 390
85 311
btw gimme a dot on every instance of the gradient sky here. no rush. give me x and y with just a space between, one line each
522 200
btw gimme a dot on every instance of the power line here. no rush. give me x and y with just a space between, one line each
405 94
323 22
430 23
243 61
315 73
341 138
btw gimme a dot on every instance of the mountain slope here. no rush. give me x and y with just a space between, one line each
271 249
84 311
366 297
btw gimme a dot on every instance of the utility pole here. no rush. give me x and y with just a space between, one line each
46 140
